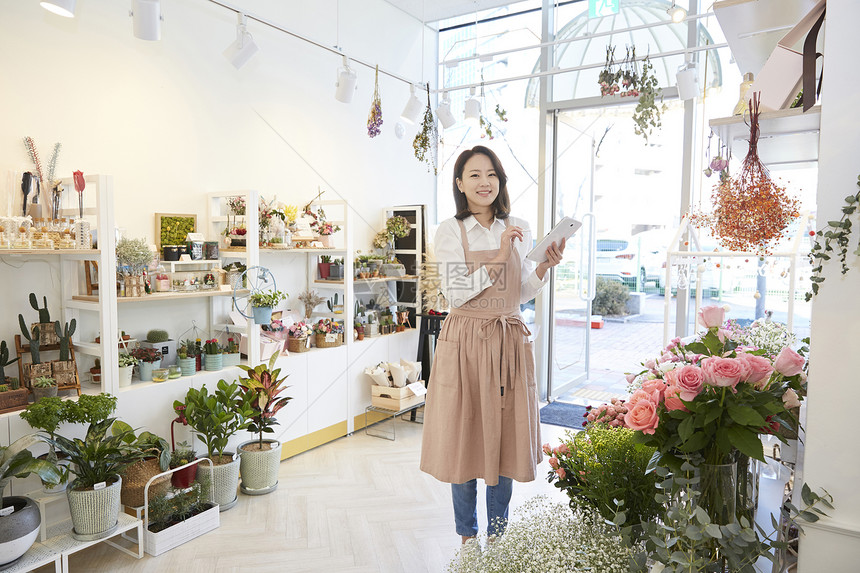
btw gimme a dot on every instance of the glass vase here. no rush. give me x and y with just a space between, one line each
747 483
718 491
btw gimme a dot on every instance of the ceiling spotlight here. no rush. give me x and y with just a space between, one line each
61 7
413 107
346 82
147 19
472 110
443 112
676 13
240 51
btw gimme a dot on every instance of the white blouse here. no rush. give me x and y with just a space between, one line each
458 285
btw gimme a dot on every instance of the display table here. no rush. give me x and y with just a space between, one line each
393 434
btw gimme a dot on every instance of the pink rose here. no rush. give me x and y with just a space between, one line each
553 462
790 399
642 416
689 380
654 388
546 449
639 395
724 372
760 369
563 449
788 362
712 316
561 473
673 398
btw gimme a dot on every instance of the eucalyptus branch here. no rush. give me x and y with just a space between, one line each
835 231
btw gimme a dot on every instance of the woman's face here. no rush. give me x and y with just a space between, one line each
480 183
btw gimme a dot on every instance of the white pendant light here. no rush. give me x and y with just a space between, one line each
241 50
688 81
346 83
147 19
472 109
413 107
60 7
443 112
676 13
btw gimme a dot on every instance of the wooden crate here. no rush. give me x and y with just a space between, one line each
394 399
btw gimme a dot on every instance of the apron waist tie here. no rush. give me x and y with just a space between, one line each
509 356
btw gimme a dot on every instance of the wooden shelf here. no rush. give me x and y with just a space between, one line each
789 137
163 296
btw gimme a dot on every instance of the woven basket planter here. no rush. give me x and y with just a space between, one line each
47 334
297 344
226 481
94 512
33 371
259 468
63 371
321 341
134 479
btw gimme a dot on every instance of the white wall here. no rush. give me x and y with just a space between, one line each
173 120
831 459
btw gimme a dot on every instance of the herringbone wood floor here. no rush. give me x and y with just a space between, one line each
356 505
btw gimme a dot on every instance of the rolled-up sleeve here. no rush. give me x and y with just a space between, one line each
531 284
458 284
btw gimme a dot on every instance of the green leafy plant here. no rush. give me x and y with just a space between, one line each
215 417
173 507
125 359
267 298
262 390
90 409
44 382
17 461
603 467
149 444
838 232
647 114
99 457
47 414
146 354
610 297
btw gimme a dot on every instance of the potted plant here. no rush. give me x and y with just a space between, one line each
262 304
299 337
213 359
97 460
160 339
334 306
126 363
261 458
63 370
46 327
47 414
43 386
182 455
187 357
336 269
174 518
231 355
96 371
35 368
359 331
147 359
132 258
20 526
324 266
215 418
154 459
371 329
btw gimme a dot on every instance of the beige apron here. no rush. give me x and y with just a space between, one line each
481 417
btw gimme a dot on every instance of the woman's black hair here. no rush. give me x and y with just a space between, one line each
502 204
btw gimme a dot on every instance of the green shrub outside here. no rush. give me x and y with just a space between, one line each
610 298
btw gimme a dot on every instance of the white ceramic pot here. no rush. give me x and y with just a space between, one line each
125 373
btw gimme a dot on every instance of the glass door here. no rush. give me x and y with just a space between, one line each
573 287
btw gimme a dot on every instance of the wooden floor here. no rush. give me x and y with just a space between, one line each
359 504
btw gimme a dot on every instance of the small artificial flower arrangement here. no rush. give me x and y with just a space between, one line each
328 326
211 347
236 205
325 228
300 330
146 354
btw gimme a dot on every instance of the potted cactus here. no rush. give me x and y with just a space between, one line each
160 339
333 304
46 327
4 362
213 359
147 359
231 355
324 267
12 396
260 459
96 371
35 368
63 370
187 357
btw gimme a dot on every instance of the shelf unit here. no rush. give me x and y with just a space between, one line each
410 251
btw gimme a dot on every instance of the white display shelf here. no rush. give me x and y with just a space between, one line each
328 282
95 348
787 137
140 384
70 254
156 296
207 262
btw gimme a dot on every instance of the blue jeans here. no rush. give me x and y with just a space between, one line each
465 497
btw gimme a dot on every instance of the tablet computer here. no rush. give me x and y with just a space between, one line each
565 229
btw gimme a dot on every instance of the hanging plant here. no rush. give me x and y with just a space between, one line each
424 143
751 212
374 118
630 74
487 127
838 232
609 75
647 112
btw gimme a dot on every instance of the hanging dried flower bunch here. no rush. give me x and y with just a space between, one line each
425 142
609 75
374 118
751 212
647 112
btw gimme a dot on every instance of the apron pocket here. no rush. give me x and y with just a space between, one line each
446 365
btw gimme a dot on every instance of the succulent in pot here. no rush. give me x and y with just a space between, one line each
183 454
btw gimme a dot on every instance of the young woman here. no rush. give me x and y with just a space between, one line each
481 418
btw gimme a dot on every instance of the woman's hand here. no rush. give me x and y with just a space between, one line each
509 235
553 257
